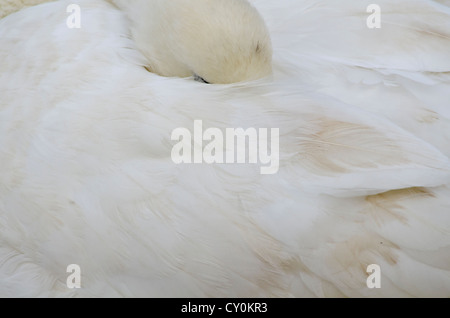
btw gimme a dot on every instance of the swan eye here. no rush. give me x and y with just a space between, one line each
200 79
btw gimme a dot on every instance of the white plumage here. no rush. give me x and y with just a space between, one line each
87 178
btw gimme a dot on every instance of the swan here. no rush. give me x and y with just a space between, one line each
86 117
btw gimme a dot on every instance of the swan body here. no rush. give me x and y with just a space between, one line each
87 176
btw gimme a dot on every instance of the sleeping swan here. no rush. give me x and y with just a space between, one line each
87 177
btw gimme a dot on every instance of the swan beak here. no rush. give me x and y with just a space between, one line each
200 79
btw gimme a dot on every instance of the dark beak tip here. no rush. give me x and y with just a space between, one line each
200 79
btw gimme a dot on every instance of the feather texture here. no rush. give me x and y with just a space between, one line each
364 176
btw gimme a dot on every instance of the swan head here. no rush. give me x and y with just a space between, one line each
216 41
